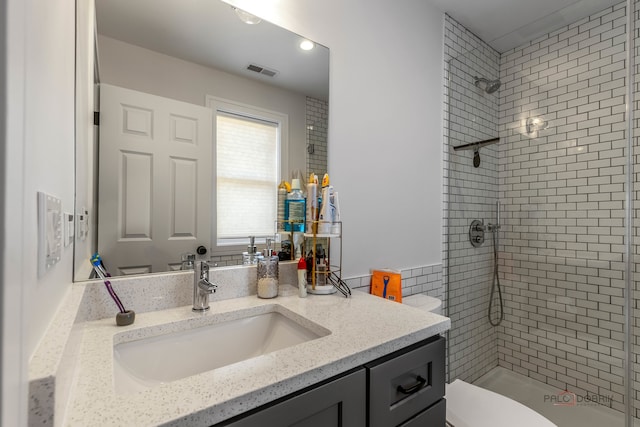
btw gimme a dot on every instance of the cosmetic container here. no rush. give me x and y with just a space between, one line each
268 277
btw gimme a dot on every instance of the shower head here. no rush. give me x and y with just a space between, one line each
487 85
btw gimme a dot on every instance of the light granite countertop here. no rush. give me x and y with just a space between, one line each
362 328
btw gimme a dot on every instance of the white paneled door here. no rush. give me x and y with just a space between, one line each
155 180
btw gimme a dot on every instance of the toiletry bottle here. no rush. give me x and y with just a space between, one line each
302 278
312 204
294 208
282 197
321 272
336 228
325 180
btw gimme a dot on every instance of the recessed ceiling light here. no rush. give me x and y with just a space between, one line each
306 45
246 17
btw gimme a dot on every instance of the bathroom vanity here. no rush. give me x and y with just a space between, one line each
366 361
375 395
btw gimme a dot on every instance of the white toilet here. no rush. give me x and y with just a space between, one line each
472 406
424 302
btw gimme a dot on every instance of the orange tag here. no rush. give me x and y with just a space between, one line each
387 284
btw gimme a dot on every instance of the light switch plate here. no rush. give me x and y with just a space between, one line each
68 228
50 230
82 224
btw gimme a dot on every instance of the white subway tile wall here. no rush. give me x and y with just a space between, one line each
317 125
425 280
470 193
562 184
635 302
225 260
559 173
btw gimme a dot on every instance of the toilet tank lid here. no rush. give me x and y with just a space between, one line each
424 302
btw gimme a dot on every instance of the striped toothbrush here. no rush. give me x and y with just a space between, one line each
98 267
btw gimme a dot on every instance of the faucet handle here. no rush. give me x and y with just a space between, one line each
207 287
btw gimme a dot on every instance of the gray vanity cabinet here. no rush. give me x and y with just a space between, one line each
406 388
402 389
340 402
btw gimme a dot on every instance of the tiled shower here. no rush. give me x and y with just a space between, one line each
470 193
317 116
559 172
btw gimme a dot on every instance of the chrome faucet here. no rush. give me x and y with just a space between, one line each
202 287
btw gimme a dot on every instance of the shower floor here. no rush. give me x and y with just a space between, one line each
537 395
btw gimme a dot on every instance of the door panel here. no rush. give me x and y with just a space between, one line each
135 196
183 198
155 180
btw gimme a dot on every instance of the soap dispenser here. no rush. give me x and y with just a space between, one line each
252 255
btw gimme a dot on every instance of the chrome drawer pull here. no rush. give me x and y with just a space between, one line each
414 388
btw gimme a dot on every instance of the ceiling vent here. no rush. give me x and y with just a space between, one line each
261 70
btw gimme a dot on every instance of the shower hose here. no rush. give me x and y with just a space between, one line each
495 283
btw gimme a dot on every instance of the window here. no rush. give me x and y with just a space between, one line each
248 148
247 178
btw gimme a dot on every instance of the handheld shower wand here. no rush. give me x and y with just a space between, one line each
495 284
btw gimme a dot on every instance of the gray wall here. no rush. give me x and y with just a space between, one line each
144 70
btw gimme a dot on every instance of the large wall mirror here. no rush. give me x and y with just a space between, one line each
178 82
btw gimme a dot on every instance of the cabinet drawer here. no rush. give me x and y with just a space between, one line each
403 385
339 402
436 416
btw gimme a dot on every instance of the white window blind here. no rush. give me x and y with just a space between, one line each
247 173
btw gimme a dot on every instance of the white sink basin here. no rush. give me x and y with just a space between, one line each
144 363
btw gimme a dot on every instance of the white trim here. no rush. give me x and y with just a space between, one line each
234 107
13 370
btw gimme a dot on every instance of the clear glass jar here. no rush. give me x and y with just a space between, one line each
268 277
